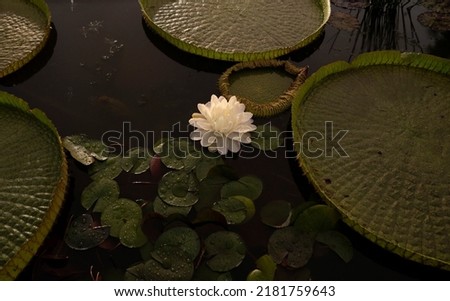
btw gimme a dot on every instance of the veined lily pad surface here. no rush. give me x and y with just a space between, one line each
33 177
237 30
373 137
265 87
24 30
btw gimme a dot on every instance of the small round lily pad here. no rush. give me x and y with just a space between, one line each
175 189
164 209
120 212
108 169
103 191
248 186
136 160
82 233
182 239
276 214
317 218
265 269
225 251
236 209
131 234
291 248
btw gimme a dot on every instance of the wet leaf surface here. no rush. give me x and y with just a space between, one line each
166 210
83 234
236 209
102 192
248 186
85 150
136 160
182 239
108 169
175 188
291 248
120 212
131 234
225 251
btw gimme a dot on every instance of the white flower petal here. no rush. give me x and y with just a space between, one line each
222 124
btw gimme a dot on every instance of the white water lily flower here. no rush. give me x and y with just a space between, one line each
222 125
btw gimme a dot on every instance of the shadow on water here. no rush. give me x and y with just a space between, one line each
36 64
217 66
185 58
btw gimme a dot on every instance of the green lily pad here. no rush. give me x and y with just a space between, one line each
108 169
182 239
266 137
166 210
205 165
225 251
33 178
317 218
146 250
388 175
136 160
236 209
179 154
210 187
265 87
175 188
84 149
337 242
237 30
131 234
25 28
82 234
277 214
168 265
265 270
103 191
248 186
118 213
291 248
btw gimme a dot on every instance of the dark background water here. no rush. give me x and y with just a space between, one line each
102 66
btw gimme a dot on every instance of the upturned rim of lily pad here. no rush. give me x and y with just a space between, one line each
271 106
42 6
380 59
195 46
25 252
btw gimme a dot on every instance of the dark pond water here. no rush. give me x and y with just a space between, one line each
102 67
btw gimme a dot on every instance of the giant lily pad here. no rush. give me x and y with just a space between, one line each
33 177
265 87
388 175
24 30
237 30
